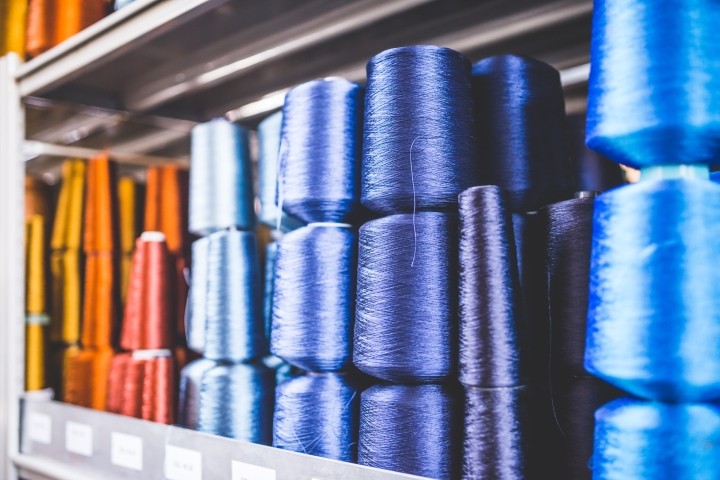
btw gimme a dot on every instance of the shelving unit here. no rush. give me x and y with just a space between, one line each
135 84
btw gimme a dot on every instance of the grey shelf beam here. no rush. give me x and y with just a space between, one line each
64 442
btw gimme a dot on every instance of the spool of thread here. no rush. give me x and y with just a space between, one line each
654 290
189 396
568 240
67 227
65 271
165 211
413 94
405 325
595 173
221 193
269 286
37 198
99 301
141 384
495 436
268 163
317 414
230 400
320 150
100 232
77 369
314 296
40 34
234 329
147 320
128 208
637 440
86 377
195 313
13 17
663 108
491 349
409 429
575 400
520 130
73 16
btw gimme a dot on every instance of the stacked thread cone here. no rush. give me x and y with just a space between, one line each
654 315
65 271
141 380
87 368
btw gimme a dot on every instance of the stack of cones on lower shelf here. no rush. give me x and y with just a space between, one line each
65 264
87 368
142 379
166 211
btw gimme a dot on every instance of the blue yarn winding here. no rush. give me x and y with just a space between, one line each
269 286
221 192
195 313
654 307
269 150
406 313
189 391
636 440
654 81
314 297
234 329
492 346
317 414
418 148
230 400
410 429
320 150
520 130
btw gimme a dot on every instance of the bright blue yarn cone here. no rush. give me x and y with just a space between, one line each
654 306
636 440
654 81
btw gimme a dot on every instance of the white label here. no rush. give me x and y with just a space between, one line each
247 471
40 428
182 464
79 438
126 451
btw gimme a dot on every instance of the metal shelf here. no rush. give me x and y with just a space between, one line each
64 442
190 60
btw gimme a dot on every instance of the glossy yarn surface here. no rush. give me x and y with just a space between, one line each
269 131
235 401
148 315
189 391
269 286
418 148
495 433
520 130
593 171
314 298
568 238
196 311
234 326
654 81
636 440
410 429
317 414
490 311
406 313
654 306
221 193
318 179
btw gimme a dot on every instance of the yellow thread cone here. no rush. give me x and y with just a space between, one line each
13 14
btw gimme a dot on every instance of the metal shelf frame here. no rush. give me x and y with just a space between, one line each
135 83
